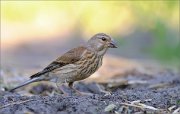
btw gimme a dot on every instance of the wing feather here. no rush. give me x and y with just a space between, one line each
70 57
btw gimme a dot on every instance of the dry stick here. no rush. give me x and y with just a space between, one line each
14 103
176 111
127 104
141 107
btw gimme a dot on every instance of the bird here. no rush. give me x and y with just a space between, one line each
76 64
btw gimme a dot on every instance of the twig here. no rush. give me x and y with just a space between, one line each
132 105
176 111
171 108
14 103
141 106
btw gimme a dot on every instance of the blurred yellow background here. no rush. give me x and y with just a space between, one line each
143 29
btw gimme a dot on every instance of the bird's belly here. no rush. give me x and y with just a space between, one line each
74 72
64 74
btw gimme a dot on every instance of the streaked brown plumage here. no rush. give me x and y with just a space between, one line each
77 64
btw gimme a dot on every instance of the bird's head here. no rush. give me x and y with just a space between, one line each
101 42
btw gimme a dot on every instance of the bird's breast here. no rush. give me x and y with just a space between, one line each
88 65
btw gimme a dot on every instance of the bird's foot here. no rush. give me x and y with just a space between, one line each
70 91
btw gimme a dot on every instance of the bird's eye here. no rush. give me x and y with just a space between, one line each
103 39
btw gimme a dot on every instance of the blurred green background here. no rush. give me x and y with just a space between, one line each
144 30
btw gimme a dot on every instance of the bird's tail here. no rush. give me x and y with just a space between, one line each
26 83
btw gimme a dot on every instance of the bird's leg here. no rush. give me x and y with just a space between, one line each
70 84
63 89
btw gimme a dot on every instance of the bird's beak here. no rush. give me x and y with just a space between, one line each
112 44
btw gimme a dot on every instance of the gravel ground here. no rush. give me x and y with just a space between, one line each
160 95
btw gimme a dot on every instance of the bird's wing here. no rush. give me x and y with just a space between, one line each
70 57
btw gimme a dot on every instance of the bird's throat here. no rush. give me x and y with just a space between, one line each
102 52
